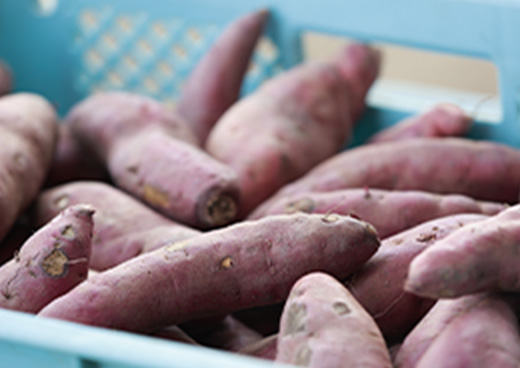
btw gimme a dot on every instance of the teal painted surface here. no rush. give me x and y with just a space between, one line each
150 47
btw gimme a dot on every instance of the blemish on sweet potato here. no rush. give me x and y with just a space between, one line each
330 218
55 263
176 246
303 356
425 238
134 169
341 308
295 319
68 232
155 196
397 241
306 205
62 201
226 263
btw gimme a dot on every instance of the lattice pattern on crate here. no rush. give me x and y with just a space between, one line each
136 53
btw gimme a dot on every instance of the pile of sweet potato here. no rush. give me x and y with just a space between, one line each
249 224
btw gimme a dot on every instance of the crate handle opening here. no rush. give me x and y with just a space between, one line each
427 79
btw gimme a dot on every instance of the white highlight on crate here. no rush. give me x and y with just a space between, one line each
415 97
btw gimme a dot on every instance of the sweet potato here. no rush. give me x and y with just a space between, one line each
28 130
215 83
473 331
123 226
442 120
177 179
480 169
480 257
247 264
150 153
6 79
378 285
291 123
323 325
71 163
50 263
388 211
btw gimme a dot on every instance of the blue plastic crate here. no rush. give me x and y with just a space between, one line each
82 46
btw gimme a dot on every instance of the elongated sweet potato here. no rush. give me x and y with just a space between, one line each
429 327
483 332
150 153
50 262
6 79
480 169
71 163
28 130
323 325
291 123
388 211
215 83
378 285
442 120
123 226
480 257
248 264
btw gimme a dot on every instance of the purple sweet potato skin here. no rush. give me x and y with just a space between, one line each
50 263
323 325
388 211
175 178
6 79
481 257
484 335
443 120
429 327
28 130
142 144
244 265
294 121
378 285
102 119
359 67
482 170
123 226
215 83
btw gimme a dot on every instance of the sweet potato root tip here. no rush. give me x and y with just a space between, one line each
55 264
218 209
